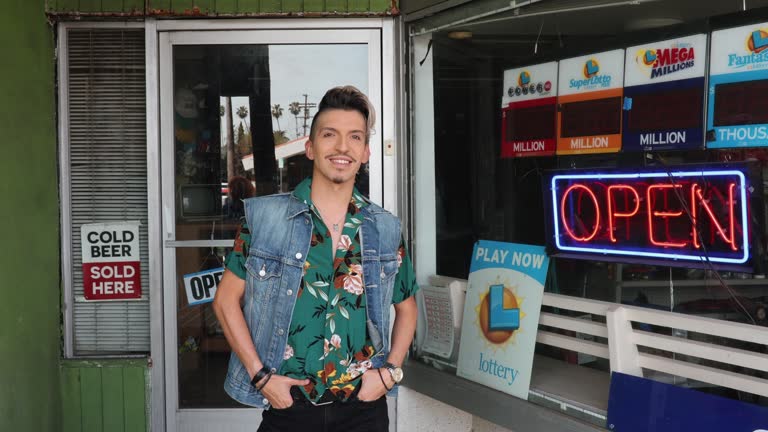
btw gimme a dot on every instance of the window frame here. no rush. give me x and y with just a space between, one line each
65 184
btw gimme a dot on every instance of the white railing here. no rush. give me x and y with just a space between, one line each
725 366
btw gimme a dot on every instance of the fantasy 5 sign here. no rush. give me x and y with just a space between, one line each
680 217
737 114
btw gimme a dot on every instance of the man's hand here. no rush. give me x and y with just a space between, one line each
278 390
372 387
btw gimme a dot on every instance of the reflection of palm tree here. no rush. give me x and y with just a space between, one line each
277 112
242 112
279 137
295 109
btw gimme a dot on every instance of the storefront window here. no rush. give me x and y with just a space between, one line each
241 115
484 192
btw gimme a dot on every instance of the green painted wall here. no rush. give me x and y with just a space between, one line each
221 7
29 233
105 395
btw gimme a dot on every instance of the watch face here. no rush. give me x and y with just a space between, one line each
397 374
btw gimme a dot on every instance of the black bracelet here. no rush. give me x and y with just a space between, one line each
266 380
259 375
382 380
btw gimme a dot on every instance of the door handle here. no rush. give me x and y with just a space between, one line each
168 223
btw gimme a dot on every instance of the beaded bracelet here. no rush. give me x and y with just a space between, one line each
266 380
259 375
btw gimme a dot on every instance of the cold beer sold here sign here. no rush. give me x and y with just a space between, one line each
111 269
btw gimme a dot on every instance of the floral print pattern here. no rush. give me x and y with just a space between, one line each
288 352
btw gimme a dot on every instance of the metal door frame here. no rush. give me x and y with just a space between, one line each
377 33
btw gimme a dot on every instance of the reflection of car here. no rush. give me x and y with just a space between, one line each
727 307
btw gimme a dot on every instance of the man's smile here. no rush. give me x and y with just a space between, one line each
341 161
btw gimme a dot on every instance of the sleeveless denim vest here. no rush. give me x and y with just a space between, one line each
281 231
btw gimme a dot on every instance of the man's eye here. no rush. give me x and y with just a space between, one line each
327 134
357 137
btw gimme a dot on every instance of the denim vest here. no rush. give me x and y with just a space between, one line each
281 231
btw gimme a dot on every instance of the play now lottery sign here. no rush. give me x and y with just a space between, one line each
501 315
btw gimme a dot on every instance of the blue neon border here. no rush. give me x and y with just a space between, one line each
634 253
730 78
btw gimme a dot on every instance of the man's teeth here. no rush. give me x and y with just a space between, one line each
340 161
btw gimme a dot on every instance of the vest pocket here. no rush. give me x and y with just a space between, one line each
389 269
263 275
260 291
262 269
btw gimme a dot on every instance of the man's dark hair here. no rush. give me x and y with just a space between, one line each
347 98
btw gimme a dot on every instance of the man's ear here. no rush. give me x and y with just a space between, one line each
308 150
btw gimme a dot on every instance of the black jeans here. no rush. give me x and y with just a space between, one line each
351 416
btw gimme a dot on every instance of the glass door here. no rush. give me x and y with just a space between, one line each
235 111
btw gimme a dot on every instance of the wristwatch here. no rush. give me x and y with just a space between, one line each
395 371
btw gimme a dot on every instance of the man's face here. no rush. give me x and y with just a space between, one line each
338 146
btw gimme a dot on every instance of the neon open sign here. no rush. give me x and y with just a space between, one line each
680 216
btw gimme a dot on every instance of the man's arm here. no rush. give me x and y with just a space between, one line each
403 331
226 305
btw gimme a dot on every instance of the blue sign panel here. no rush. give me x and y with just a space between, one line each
664 116
664 95
642 405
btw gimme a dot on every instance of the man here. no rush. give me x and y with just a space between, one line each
304 302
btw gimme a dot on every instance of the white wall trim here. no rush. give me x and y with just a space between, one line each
64 189
423 139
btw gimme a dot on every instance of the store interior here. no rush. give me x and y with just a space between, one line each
481 195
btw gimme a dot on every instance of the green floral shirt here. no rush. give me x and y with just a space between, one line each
328 342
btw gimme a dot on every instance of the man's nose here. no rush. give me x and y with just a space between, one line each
342 144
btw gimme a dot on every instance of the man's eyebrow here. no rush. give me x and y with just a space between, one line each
335 130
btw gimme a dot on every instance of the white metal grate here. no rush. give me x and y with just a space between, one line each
108 181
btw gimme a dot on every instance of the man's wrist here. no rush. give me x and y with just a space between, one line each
395 372
255 366
261 375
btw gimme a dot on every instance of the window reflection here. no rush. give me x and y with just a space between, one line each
243 112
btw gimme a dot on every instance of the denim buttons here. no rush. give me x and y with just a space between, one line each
299 255
280 332
273 370
265 401
289 292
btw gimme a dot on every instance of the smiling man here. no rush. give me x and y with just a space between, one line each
304 302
